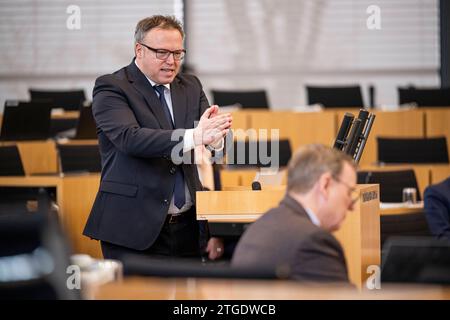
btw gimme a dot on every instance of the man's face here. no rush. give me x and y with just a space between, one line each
341 196
160 71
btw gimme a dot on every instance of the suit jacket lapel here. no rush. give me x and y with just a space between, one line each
141 83
179 103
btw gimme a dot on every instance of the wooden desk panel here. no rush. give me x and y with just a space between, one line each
439 173
78 195
241 122
300 128
438 123
235 178
150 288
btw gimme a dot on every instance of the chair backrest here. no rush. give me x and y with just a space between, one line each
66 99
34 257
20 200
79 158
259 153
143 266
27 121
10 161
391 183
247 99
412 150
403 225
416 260
426 97
86 127
335 97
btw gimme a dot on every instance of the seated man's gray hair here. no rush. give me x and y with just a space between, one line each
310 162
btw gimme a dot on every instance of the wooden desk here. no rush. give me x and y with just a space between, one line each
140 288
300 128
74 196
359 233
401 210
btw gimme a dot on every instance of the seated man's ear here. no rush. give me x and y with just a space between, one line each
324 183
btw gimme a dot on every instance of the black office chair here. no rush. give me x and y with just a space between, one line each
335 97
412 150
416 260
246 99
34 255
79 158
66 99
259 154
10 161
403 225
26 121
136 265
86 127
425 97
391 183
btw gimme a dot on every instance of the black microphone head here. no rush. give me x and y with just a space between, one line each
256 185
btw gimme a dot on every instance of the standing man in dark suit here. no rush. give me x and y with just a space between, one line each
295 237
146 115
437 209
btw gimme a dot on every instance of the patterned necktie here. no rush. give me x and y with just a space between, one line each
179 196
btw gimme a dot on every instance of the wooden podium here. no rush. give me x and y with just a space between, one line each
232 211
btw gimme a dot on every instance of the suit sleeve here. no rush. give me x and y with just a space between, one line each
437 213
115 118
320 258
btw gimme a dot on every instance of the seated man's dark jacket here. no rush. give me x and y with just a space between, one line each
285 240
135 140
437 209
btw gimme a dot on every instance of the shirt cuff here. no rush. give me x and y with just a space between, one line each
188 140
218 146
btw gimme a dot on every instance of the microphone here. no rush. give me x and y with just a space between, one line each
256 185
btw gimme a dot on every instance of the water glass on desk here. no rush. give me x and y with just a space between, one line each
409 195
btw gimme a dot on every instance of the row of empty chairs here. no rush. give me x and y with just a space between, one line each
32 121
336 97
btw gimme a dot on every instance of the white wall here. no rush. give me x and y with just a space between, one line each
38 50
284 45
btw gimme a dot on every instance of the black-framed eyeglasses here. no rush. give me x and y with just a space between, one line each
164 54
351 190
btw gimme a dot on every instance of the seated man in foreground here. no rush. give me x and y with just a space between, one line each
295 237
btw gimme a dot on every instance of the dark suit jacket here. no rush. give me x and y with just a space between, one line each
437 208
138 176
285 240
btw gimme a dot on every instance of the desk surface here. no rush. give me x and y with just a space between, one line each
221 289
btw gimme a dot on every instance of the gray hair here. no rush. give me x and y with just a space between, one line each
310 162
158 21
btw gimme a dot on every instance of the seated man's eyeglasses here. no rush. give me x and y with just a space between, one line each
352 192
164 54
